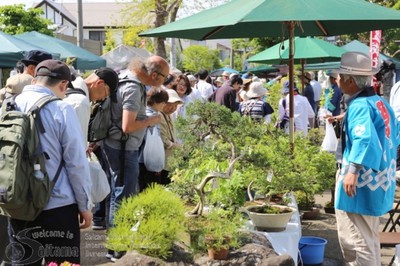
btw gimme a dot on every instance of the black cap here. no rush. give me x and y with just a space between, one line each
34 57
53 68
109 76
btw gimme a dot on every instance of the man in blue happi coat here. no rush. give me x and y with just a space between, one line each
366 183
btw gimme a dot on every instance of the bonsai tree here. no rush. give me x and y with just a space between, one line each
149 223
220 144
218 229
214 144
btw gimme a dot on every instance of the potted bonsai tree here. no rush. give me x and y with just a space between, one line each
220 231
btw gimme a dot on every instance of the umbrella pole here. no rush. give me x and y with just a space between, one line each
302 79
291 83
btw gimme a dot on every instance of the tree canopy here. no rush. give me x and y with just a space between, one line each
198 57
14 19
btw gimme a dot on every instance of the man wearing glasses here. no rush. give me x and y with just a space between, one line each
97 87
130 122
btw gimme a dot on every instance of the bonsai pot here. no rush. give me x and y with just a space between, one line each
220 254
329 210
270 222
215 251
310 214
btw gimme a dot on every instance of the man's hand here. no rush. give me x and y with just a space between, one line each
350 183
85 219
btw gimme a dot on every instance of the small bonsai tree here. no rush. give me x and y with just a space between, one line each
149 223
218 229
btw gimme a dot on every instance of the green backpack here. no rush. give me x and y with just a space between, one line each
22 195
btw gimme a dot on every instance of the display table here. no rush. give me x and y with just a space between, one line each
285 242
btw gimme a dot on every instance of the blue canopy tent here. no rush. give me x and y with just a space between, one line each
84 59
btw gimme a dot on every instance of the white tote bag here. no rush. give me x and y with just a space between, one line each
100 186
153 152
330 141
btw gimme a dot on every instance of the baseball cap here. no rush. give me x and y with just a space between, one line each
173 96
109 76
34 57
53 68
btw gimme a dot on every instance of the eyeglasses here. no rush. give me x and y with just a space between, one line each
164 76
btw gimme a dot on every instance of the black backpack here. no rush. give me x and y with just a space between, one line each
101 117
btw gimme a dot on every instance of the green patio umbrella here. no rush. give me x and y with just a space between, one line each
306 50
84 58
261 69
281 18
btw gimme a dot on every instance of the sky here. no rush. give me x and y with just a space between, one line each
29 3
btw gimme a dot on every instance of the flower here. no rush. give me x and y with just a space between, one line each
65 263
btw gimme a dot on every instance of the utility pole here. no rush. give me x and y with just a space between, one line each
172 54
79 35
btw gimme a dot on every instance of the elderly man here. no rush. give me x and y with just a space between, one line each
129 118
366 181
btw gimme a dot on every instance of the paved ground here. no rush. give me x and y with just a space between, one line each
93 250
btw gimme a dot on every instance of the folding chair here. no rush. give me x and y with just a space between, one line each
392 221
391 238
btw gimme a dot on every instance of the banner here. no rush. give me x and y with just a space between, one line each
375 45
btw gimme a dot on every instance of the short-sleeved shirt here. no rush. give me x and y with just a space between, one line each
131 96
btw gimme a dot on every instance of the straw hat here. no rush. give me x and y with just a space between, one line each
256 90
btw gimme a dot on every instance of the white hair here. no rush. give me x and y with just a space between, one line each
361 81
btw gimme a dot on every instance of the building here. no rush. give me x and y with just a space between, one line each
96 18
99 16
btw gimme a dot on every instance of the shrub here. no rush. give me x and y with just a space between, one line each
148 223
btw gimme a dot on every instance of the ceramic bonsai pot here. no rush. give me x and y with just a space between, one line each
270 222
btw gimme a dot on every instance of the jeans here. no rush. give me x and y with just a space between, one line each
101 209
130 186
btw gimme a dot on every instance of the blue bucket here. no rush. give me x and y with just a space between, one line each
312 250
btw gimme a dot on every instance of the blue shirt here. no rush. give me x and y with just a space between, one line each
61 141
371 140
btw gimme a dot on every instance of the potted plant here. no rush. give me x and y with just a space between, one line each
270 218
220 159
329 207
217 232
149 223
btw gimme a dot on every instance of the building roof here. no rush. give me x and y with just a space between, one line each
95 15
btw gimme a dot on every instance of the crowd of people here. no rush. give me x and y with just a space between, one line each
149 96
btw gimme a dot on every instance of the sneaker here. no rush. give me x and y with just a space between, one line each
110 254
98 226
117 255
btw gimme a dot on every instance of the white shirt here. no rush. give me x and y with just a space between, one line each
395 99
81 105
302 111
317 89
205 89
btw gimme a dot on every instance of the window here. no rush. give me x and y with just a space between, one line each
97 36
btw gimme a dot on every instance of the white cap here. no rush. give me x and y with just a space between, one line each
36 167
